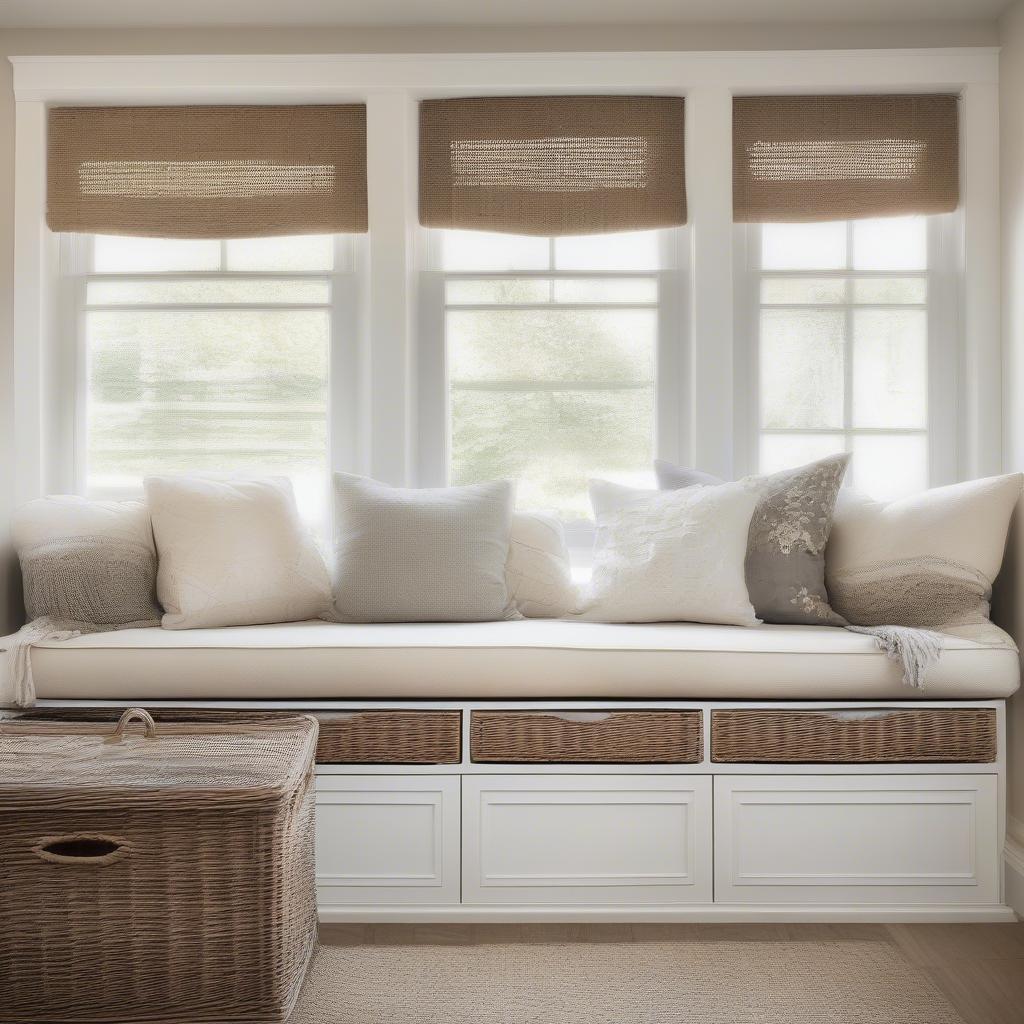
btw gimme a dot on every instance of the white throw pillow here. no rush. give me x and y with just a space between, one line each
87 561
538 571
928 560
435 554
233 553
671 556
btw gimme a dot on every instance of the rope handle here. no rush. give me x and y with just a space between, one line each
134 714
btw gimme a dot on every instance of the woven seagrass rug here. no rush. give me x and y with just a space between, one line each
839 981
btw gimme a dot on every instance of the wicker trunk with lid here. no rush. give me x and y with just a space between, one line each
155 873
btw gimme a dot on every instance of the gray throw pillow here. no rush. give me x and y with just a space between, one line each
421 555
785 565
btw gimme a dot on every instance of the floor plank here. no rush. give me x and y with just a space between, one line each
983 991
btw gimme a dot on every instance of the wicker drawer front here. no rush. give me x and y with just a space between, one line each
841 736
361 737
608 737
390 737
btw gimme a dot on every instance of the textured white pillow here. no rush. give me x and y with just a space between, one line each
233 553
928 560
671 556
87 561
538 571
435 554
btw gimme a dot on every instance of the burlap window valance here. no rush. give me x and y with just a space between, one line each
552 165
813 158
207 172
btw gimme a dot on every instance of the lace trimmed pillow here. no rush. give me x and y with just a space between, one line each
671 556
86 566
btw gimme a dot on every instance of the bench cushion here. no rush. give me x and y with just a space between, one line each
526 659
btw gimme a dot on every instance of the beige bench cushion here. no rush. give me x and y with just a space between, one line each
527 659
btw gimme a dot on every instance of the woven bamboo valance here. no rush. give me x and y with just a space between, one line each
552 165
813 158
207 172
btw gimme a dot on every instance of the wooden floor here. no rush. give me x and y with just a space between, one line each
980 967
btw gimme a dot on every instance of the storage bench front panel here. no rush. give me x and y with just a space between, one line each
387 839
871 839
601 840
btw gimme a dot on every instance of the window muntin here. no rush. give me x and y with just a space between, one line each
205 356
550 352
842 350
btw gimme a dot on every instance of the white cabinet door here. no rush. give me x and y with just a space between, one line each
387 839
586 839
853 839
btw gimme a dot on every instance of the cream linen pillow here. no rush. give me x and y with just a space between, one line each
233 553
538 571
928 560
433 554
671 556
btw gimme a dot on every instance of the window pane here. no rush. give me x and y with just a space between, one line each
803 246
801 368
504 291
227 391
586 346
606 290
890 466
551 398
487 251
210 291
628 250
890 243
887 291
789 291
282 252
890 376
786 451
551 442
121 254
497 291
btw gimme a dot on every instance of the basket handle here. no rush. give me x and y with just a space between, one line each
86 849
133 714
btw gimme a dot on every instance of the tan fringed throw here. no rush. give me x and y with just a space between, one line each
207 172
552 165
816 158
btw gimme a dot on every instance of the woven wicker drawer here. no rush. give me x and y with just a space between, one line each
844 736
586 737
360 737
390 737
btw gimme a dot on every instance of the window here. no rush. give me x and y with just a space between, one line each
847 327
204 356
550 355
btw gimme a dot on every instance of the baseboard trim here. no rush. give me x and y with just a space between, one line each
666 915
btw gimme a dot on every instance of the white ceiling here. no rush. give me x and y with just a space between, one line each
405 13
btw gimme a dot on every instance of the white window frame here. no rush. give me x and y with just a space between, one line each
943 382
385 440
76 274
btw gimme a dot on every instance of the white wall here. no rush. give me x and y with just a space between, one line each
1010 606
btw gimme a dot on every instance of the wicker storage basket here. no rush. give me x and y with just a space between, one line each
155 873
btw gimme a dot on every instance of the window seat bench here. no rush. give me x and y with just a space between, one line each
571 771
